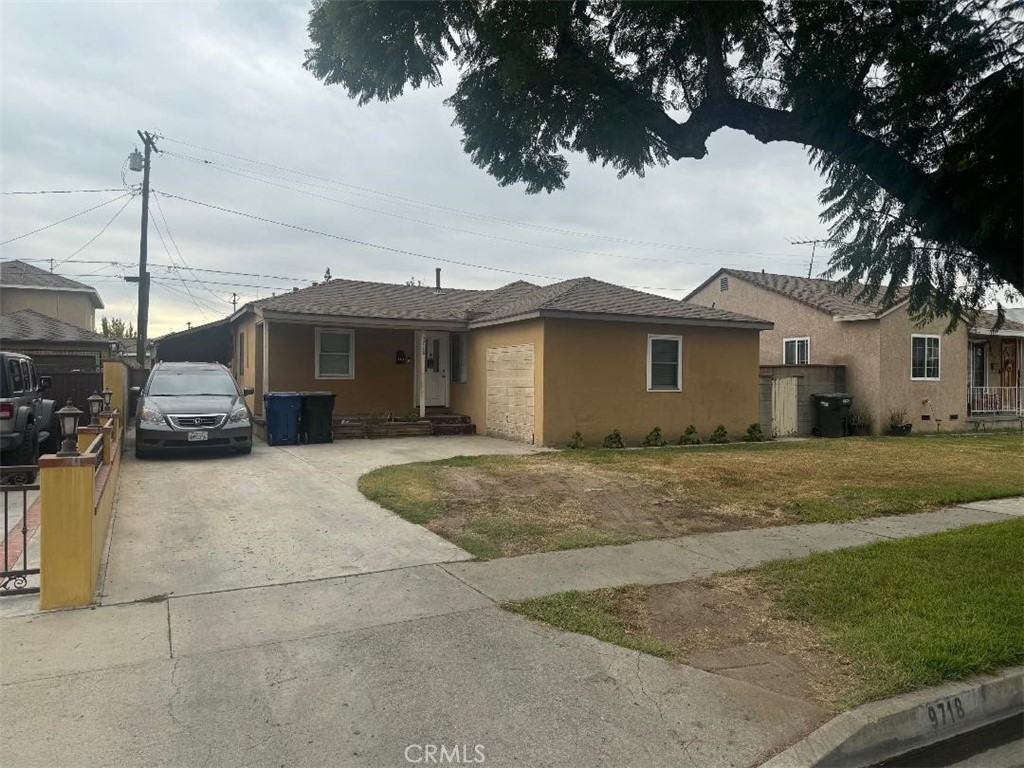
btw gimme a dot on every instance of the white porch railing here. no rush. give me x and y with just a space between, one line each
995 400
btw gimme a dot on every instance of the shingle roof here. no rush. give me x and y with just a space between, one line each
18 274
986 321
820 294
29 325
585 295
353 298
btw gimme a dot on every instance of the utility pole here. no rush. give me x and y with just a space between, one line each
234 302
814 247
149 141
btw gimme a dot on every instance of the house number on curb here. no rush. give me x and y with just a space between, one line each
945 712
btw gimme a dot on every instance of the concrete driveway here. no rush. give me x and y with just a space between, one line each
187 525
306 626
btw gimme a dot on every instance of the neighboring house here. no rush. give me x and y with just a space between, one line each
127 349
208 343
23 286
523 362
53 345
890 362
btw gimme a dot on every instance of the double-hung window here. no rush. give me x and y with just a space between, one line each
924 357
335 354
664 363
796 351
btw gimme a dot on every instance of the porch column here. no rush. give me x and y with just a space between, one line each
421 370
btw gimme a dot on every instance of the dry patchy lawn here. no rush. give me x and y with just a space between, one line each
501 506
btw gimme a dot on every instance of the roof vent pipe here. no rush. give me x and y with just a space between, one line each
437 279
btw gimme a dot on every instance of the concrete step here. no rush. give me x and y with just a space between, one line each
455 429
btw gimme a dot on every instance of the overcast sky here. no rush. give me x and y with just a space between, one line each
79 78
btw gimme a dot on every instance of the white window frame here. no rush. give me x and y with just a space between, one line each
797 339
938 340
651 338
351 354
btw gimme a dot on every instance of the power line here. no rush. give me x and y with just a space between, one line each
169 256
269 181
464 213
58 191
66 218
160 210
133 265
357 242
95 237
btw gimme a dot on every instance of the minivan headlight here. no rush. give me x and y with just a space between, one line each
241 413
151 415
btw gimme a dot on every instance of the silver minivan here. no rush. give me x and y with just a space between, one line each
192 405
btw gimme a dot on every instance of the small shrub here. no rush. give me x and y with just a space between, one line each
755 434
654 439
576 442
690 436
719 436
613 440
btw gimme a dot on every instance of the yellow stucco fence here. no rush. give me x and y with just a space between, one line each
76 495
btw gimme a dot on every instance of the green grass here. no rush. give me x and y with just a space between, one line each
904 614
512 505
913 612
602 613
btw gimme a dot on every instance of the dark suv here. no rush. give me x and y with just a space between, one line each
28 426
192 405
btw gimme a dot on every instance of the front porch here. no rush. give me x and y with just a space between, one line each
994 386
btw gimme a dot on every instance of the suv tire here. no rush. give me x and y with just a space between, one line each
52 443
26 454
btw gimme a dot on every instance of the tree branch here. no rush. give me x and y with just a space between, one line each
916 190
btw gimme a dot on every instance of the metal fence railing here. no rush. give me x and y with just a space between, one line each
21 521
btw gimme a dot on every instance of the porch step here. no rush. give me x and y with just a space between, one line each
443 419
460 428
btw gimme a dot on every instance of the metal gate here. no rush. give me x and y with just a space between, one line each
21 523
75 386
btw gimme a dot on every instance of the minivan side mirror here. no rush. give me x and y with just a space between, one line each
45 382
248 391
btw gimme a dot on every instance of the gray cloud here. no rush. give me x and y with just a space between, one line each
80 78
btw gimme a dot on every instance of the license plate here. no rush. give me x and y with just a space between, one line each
198 437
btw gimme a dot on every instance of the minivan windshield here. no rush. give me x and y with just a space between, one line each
175 383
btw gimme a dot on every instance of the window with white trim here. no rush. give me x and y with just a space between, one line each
335 354
664 363
925 353
796 351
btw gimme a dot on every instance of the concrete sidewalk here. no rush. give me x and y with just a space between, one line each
668 560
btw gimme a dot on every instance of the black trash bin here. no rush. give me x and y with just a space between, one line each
317 417
832 414
282 409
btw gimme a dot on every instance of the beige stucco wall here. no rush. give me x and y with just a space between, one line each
595 377
946 397
470 397
379 383
67 306
853 344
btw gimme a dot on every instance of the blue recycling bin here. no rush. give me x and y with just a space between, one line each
282 411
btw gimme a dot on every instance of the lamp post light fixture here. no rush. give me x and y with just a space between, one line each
95 406
108 395
68 416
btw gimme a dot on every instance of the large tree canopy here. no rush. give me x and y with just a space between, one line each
911 111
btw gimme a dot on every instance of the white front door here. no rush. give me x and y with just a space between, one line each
435 366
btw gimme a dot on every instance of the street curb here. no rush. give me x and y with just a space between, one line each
885 729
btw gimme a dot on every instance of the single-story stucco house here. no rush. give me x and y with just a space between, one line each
943 380
523 362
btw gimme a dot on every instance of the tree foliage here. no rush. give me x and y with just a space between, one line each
911 111
116 328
